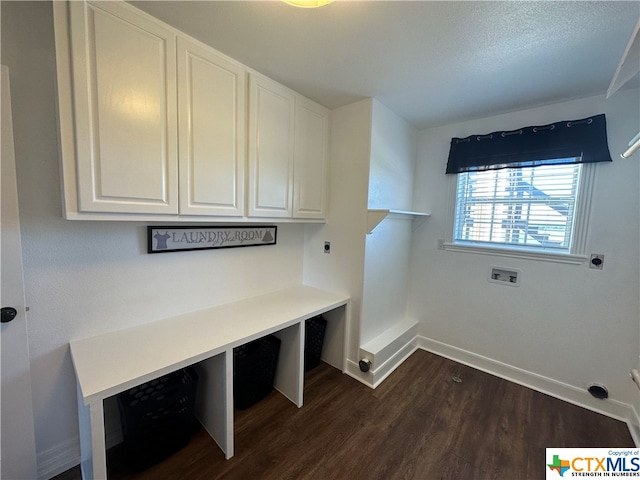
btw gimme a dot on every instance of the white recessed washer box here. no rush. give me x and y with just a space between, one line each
504 276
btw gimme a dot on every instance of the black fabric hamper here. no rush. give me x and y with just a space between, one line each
158 418
254 370
314 339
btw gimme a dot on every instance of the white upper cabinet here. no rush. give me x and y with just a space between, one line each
271 148
123 72
211 102
288 142
310 165
155 125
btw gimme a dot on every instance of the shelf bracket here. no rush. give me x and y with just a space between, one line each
377 215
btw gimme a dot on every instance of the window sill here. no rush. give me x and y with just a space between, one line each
528 255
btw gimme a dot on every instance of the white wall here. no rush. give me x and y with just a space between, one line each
342 269
372 163
566 325
392 165
84 278
386 278
393 160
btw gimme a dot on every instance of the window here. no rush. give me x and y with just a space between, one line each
527 192
530 208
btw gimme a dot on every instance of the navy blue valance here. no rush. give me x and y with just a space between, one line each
575 141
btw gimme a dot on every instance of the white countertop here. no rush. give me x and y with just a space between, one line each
110 363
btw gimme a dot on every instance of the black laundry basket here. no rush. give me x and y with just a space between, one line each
158 418
254 370
313 340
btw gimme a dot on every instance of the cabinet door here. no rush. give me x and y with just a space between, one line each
211 103
123 68
271 148
310 164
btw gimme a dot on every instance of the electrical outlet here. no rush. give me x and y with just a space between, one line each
596 261
327 247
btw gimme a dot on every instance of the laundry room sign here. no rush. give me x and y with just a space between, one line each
177 239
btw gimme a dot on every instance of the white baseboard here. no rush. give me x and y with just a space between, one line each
376 376
385 352
568 393
59 458
353 370
66 455
634 426
383 371
383 347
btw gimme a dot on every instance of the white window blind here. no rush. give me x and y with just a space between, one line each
529 208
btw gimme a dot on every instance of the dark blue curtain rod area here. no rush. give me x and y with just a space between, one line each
565 142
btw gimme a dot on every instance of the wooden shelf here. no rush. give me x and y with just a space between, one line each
375 216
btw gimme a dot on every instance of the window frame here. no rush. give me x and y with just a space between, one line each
577 254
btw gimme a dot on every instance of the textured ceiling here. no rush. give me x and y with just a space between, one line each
433 63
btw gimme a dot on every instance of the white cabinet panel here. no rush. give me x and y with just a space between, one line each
211 99
271 148
153 126
288 143
310 165
123 69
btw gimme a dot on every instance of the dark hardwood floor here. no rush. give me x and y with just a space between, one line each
418 424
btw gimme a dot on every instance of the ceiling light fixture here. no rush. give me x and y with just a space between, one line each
308 3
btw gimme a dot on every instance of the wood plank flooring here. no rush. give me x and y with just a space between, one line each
418 424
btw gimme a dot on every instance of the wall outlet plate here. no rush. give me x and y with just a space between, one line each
327 247
596 261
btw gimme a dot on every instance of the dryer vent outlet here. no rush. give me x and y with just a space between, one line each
598 391
365 365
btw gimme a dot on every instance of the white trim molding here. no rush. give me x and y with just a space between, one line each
634 426
376 376
59 458
513 253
